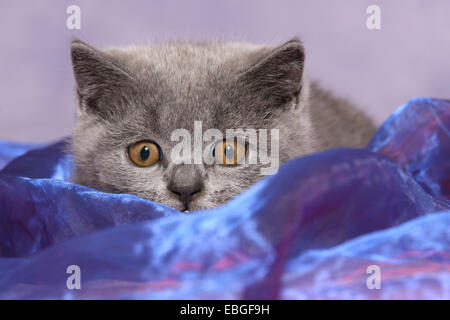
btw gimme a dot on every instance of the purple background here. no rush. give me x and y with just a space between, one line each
379 70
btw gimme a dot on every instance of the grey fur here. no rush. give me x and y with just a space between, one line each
141 93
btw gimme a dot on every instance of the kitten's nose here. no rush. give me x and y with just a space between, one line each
185 182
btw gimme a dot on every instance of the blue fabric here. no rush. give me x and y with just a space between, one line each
308 232
11 150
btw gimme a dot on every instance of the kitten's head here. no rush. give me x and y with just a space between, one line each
132 100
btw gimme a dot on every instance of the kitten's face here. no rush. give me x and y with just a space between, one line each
132 100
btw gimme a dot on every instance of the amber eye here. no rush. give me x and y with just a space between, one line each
228 153
144 153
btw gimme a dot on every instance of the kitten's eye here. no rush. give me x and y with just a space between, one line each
228 153
144 153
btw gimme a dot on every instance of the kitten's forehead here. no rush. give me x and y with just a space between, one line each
185 82
188 61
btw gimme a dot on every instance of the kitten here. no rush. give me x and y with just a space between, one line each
131 100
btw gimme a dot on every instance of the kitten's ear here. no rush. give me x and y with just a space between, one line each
278 75
96 75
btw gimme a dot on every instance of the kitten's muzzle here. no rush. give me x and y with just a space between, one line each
185 182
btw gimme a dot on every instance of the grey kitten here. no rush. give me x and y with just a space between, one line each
130 100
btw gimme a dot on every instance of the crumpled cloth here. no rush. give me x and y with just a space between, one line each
311 231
